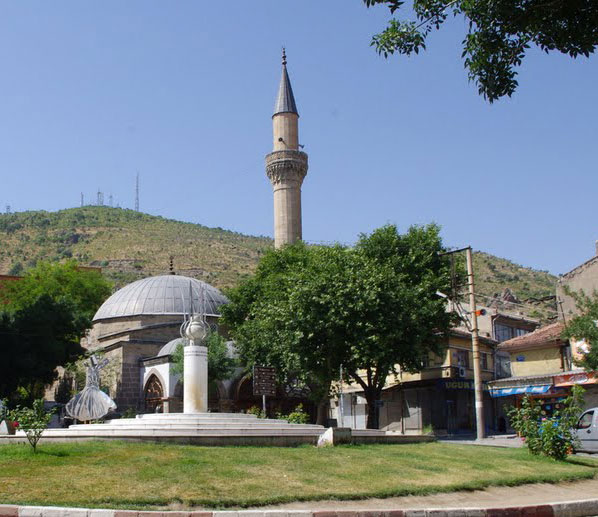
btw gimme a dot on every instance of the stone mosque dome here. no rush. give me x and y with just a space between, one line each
170 347
161 295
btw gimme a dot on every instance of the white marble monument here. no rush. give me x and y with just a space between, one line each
195 366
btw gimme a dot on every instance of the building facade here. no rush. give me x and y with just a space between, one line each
440 398
582 279
543 368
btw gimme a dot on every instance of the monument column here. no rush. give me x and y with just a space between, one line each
286 165
195 365
195 379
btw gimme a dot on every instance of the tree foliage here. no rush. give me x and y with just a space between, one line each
500 33
43 317
35 340
583 329
220 365
371 308
85 289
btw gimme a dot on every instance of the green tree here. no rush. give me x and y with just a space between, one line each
500 33
220 365
43 317
35 340
584 327
85 289
372 308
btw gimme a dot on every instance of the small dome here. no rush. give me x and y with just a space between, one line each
165 294
170 347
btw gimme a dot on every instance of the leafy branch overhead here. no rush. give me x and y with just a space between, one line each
500 33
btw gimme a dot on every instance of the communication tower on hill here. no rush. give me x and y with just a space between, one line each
82 199
137 193
100 200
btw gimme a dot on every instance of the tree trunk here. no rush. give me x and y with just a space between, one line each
322 418
372 396
320 395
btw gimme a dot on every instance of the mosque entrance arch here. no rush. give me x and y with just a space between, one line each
153 395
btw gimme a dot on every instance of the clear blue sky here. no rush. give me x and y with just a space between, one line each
183 92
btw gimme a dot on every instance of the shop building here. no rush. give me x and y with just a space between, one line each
542 366
439 398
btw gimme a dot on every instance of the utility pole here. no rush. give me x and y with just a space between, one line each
475 345
341 406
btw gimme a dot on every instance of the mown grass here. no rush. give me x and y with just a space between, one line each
141 476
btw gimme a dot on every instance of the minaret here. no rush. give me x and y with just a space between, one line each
286 165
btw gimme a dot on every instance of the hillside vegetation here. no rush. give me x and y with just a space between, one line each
129 245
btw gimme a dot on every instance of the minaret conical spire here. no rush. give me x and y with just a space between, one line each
285 101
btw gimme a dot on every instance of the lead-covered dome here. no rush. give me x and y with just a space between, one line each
170 347
165 294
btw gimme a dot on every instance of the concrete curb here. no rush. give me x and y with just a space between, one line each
582 508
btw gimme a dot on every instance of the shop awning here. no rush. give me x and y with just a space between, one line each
520 390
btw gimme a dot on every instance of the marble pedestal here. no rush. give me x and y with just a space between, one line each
195 380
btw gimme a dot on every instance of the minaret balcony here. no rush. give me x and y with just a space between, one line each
286 165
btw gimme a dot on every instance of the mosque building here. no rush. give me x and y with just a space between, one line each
138 327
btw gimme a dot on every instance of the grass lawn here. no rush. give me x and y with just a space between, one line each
140 475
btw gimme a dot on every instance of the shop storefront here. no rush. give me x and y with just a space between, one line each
444 406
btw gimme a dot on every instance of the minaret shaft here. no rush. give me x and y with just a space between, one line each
285 131
286 166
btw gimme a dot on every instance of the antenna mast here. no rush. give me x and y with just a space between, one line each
82 203
137 193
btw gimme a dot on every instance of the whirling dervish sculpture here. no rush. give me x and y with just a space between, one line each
91 403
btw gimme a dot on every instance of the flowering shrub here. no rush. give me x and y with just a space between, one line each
552 436
33 421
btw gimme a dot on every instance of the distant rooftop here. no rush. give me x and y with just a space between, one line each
549 335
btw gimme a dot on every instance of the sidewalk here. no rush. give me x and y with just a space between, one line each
500 440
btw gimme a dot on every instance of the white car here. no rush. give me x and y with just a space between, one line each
587 430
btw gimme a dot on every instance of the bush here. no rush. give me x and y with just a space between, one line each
254 410
33 421
297 416
129 413
553 436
